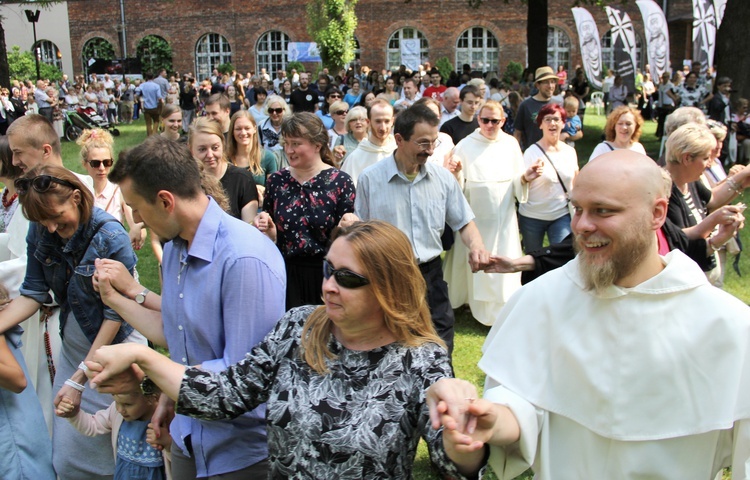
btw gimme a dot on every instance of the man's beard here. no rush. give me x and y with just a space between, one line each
634 246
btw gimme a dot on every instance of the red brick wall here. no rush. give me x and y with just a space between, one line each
183 22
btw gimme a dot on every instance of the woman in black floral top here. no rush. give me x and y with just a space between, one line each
303 204
344 383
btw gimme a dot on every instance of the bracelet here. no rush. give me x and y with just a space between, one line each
75 385
734 186
82 366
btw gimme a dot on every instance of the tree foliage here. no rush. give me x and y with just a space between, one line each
154 53
445 67
98 48
22 66
331 23
226 68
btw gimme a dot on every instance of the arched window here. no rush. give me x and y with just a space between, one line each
558 48
608 52
48 53
211 51
271 51
477 47
97 48
155 53
394 46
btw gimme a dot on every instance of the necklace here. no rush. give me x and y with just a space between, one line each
7 202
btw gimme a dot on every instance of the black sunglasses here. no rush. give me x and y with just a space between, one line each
494 121
97 163
341 112
41 183
345 278
275 110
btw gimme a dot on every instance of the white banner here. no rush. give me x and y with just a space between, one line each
719 6
410 53
591 49
623 45
704 32
657 38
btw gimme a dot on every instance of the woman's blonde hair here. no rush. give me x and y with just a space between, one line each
95 138
256 150
387 260
209 127
169 109
609 128
355 113
693 139
277 100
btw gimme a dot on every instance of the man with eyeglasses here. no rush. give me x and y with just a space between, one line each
379 143
527 132
465 123
420 198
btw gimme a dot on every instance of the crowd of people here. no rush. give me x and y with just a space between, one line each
334 201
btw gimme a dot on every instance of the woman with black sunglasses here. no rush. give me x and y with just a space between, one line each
97 157
344 383
489 167
67 234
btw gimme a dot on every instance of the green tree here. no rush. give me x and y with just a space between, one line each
98 48
331 23
154 53
22 66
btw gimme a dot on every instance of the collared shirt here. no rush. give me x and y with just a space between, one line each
151 93
220 297
163 84
420 208
41 98
445 115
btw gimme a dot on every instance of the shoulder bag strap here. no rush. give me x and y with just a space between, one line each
562 184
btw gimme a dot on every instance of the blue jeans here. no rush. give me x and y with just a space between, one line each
533 231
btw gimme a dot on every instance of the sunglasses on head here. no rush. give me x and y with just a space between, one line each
98 163
275 110
41 183
494 121
345 278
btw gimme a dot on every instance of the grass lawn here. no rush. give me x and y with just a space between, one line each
469 333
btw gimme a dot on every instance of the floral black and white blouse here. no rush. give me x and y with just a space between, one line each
362 420
306 214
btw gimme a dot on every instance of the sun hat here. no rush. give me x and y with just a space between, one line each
544 73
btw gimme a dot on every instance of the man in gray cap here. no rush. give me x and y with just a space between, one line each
527 132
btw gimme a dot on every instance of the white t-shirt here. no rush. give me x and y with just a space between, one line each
605 147
547 199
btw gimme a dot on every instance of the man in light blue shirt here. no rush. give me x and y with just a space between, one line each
420 198
151 94
224 287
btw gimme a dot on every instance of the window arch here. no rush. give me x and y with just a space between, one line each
393 59
271 51
48 53
154 53
477 47
558 48
211 50
97 48
608 52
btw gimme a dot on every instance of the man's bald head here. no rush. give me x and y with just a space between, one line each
451 98
637 172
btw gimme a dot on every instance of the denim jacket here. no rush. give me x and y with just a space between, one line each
52 265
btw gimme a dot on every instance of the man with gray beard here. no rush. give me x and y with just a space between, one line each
620 364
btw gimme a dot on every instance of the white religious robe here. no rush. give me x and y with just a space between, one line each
366 154
649 382
491 180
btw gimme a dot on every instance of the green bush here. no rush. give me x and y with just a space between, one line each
154 53
294 65
22 66
514 69
225 68
445 66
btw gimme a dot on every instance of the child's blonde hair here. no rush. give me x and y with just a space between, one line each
571 103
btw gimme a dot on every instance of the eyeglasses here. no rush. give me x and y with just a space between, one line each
41 183
341 112
345 278
552 120
426 145
276 110
493 121
98 163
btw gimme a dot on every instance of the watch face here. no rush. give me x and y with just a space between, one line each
140 298
148 387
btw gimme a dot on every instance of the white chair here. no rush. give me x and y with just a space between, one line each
597 101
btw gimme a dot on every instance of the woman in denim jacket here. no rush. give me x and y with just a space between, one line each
66 235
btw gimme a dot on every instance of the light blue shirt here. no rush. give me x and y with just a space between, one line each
221 297
420 209
151 93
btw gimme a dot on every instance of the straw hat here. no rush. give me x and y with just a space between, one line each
544 73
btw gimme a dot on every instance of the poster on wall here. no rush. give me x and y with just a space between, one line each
657 37
623 45
410 53
303 52
704 33
591 49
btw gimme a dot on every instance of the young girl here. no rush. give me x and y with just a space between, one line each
26 448
97 156
127 419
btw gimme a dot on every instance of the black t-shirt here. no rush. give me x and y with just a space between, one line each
458 129
240 188
304 101
187 99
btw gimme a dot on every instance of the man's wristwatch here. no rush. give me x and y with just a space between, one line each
148 387
141 297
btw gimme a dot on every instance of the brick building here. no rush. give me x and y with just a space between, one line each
253 35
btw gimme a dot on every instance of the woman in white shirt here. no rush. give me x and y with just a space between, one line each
622 132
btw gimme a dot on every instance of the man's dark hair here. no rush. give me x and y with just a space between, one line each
159 164
417 113
148 76
468 89
221 99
